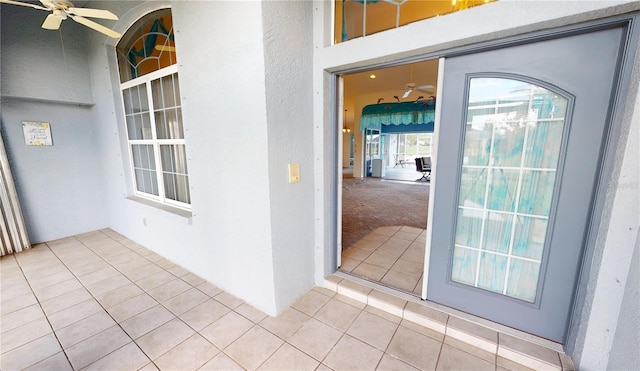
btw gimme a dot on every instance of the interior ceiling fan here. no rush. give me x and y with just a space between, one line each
62 9
411 86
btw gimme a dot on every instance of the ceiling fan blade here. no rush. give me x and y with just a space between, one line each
429 86
34 6
96 26
93 13
406 93
52 22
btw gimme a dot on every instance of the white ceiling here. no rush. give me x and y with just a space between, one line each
391 81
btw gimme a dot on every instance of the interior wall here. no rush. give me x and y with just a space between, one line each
45 78
470 27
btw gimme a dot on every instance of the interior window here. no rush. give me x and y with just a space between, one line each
153 111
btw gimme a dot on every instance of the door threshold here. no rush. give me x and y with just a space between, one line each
506 343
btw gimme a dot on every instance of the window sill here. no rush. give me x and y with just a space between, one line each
163 207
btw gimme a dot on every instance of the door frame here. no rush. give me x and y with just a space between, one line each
622 83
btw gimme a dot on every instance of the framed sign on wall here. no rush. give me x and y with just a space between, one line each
37 133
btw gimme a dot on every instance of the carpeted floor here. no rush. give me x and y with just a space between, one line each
371 203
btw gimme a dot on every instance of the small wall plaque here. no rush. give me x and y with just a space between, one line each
37 133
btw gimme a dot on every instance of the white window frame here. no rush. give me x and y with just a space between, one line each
146 80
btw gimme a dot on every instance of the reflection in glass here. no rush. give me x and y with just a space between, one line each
513 138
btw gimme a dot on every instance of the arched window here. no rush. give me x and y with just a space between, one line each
153 110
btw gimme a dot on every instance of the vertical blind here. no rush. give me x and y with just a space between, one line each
13 233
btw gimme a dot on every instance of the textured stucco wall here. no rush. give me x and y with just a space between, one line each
289 98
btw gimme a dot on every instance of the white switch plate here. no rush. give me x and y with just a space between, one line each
294 172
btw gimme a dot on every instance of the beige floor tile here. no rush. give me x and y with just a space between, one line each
289 358
286 324
468 348
412 268
75 313
9 305
337 314
400 281
87 267
209 289
96 347
155 280
228 300
455 359
373 330
404 235
392 249
369 271
315 338
165 337
387 230
389 363
221 362
188 355
132 264
128 357
381 260
185 301
204 314
353 354
227 329
415 253
192 279
348 264
169 290
20 317
356 253
503 364
310 302
147 321
57 362
13 287
414 348
59 273
24 334
254 347
142 272
83 329
102 287
178 271
30 353
55 290
528 354
375 237
65 301
98 276
119 295
437 335
383 314
132 307
252 314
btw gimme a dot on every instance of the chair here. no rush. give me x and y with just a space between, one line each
423 165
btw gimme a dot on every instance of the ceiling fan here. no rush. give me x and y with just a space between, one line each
411 86
63 9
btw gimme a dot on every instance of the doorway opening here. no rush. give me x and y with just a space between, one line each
388 130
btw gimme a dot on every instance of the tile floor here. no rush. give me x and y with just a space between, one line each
101 301
392 256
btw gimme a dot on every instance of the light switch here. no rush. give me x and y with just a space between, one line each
294 172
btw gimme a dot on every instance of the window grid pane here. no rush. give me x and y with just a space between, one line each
512 146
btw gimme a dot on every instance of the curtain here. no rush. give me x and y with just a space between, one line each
13 232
